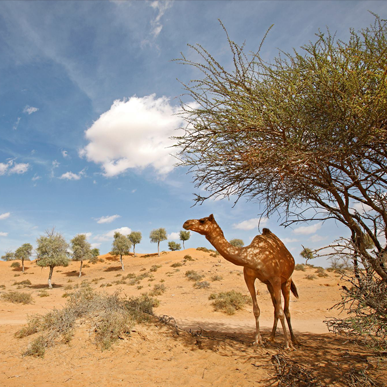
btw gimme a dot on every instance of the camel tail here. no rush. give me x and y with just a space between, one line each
294 289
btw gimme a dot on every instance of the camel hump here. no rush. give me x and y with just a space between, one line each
266 231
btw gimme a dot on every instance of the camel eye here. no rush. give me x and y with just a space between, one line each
201 221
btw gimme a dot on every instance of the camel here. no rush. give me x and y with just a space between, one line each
267 259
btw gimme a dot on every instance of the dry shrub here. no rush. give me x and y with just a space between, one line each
299 267
154 268
216 277
201 285
17 297
24 283
15 265
193 275
158 290
43 293
188 258
110 316
202 249
321 272
176 264
229 302
310 277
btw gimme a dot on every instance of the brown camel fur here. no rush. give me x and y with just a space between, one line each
267 259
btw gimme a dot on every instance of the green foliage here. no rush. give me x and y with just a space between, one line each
173 246
24 252
158 235
81 248
95 252
8 256
237 242
307 254
121 246
15 265
188 258
229 302
184 236
135 237
52 250
17 297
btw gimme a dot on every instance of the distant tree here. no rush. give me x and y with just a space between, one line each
237 242
81 249
173 246
8 256
121 246
157 236
135 237
307 254
184 236
51 252
24 253
95 252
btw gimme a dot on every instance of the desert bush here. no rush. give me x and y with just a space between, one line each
202 249
17 297
2 286
188 258
37 347
229 302
193 275
201 285
321 272
24 283
154 268
216 278
176 264
15 265
110 316
299 267
310 277
43 293
158 290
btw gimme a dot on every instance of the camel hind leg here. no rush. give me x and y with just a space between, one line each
286 293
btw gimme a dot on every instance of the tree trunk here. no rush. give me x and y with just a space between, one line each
134 250
22 265
158 248
122 262
80 269
50 276
183 245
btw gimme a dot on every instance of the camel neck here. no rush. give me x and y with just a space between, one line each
226 250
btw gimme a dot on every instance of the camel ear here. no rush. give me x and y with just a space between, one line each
211 217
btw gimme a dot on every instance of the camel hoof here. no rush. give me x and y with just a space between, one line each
271 339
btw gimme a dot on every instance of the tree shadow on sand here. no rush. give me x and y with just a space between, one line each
319 360
114 268
45 286
73 273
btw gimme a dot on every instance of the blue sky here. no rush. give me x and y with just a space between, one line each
89 96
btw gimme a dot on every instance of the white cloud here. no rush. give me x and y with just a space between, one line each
4 167
70 176
16 124
108 219
19 168
134 134
289 240
174 236
88 234
109 236
161 7
305 230
30 109
361 208
317 238
65 154
55 164
95 245
250 224
5 215
4 234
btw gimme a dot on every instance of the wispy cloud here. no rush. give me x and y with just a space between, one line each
289 240
5 215
30 109
3 234
250 224
107 219
36 177
317 238
160 7
305 230
16 124
110 235
65 154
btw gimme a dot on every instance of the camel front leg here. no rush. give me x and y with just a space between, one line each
250 279
286 294
271 291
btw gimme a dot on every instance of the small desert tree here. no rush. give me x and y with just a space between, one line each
307 254
24 253
52 252
237 242
95 252
135 237
157 236
173 246
8 256
184 236
121 246
81 249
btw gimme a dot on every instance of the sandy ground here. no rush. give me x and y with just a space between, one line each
218 349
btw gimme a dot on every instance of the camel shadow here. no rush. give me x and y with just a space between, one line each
73 273
45 286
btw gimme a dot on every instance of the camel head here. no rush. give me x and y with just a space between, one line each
202 226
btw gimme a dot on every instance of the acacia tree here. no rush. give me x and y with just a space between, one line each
184 236
135 237
307 254
8 256
24 253
157 236
52 252
121 246
305 136
237 242
81 250
173 246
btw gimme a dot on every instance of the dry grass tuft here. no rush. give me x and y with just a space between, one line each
229 302
17 297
